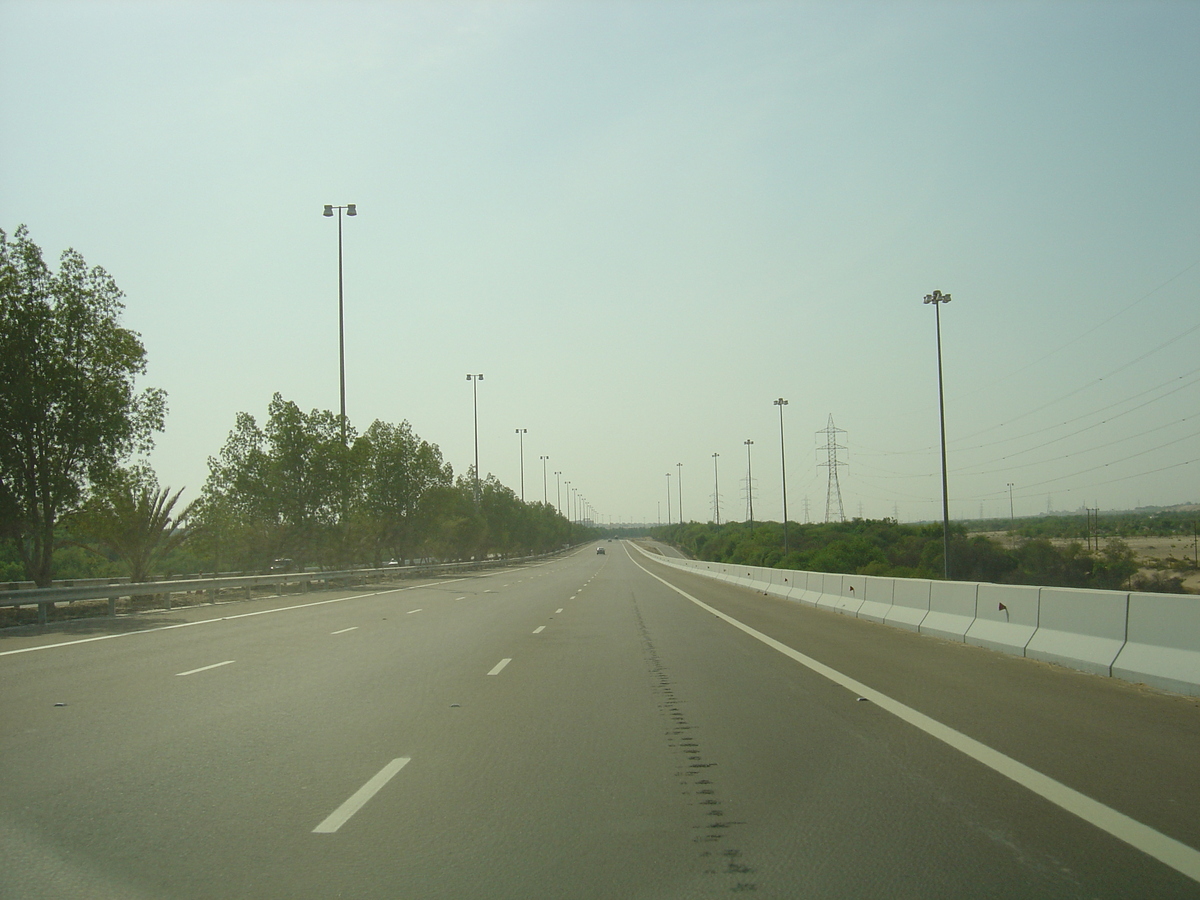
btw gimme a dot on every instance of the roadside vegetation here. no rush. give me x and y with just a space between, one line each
77 499
887 548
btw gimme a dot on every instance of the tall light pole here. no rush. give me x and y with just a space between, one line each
1012 516
475 379
545 494
521 432
558 491
781 403
679 488
351 210
937 298
716 492
749 481
668 498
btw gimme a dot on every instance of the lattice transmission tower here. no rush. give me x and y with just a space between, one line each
833 496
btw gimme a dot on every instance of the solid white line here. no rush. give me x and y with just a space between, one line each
539 629
261 612
1167 850
358 800
205 668
500 666
411 611
344 630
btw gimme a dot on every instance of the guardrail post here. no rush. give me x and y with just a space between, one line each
248 591
112 607
212 595
41 613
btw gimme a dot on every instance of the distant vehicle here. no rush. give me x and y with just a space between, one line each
282 566
600 550
391 562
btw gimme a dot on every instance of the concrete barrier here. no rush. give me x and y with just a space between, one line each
1079 628
1006 616
951 609
1162 647
910 603
877 598
843 593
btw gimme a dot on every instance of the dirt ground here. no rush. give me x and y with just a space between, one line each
1151 553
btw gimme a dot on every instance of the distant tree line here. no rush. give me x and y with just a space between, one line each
886 548
73 503
292 489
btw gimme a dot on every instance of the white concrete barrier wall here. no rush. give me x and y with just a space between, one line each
842 593
877 598
1162 647
1150 638
1079 628
1006 616
910 603
951 609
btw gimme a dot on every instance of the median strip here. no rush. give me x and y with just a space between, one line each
359 798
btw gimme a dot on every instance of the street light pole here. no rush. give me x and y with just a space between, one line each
521 432
475 379
937 298
351 210
545 493
679 488
1012 516
749 480
781 403
558 491
668 498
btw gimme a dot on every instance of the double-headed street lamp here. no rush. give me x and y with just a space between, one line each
679 488
668 498
521 432
475 379
558 491
781 403
545 494
937 298
351 210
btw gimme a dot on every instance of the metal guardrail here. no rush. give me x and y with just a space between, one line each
44 598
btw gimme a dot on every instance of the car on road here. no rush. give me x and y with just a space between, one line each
600 550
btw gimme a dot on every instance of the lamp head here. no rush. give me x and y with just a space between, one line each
352 209
328 210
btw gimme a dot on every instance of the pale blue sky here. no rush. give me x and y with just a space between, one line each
643 222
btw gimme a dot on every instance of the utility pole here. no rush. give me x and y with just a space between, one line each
716 492
749 483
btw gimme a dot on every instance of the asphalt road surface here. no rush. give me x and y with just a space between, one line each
597 726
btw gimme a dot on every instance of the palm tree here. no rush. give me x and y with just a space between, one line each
134 523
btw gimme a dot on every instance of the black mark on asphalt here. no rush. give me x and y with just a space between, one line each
695 778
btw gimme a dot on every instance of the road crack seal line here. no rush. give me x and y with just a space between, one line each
694 777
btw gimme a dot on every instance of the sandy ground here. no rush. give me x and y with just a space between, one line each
1150 551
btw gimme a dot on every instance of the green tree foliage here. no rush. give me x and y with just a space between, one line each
886 548
292 489
69 412
132 519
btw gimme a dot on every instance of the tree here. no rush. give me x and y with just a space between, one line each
131 516
69 412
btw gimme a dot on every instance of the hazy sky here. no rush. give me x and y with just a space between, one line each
643 222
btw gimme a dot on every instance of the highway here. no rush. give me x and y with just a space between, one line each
595 726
